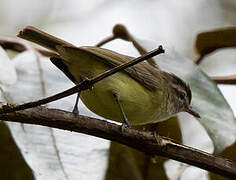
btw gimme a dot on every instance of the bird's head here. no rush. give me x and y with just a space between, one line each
180 95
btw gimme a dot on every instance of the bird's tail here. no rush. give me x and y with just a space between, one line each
41 38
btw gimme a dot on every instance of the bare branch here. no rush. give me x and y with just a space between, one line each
143 141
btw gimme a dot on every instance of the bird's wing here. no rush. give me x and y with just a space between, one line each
142 72
61 65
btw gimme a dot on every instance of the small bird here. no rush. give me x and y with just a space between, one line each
138 95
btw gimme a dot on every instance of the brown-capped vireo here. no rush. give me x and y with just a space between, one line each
140 94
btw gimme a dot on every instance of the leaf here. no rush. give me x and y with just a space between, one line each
210 41
53 153
129 164
12 164
7 69
216 115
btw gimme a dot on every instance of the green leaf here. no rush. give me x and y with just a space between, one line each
12 164
216 115
208 42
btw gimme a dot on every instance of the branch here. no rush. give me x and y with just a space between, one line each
143 141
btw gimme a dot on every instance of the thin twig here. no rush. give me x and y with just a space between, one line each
121 67
106 40
140 140
141 50
86 84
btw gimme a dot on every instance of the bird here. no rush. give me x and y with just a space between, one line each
139 95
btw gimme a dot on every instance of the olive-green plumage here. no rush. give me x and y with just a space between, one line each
146 93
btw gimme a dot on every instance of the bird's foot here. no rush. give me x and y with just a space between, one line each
124 126
75 111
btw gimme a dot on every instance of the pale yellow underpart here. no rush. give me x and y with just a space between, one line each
141 105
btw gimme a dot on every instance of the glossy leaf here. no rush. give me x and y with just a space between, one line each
52 153
12 163
216 115
7 69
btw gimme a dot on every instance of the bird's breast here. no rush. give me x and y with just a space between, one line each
139 103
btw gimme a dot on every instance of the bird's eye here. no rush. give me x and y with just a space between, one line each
181 96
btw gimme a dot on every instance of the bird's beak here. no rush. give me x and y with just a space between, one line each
191 111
